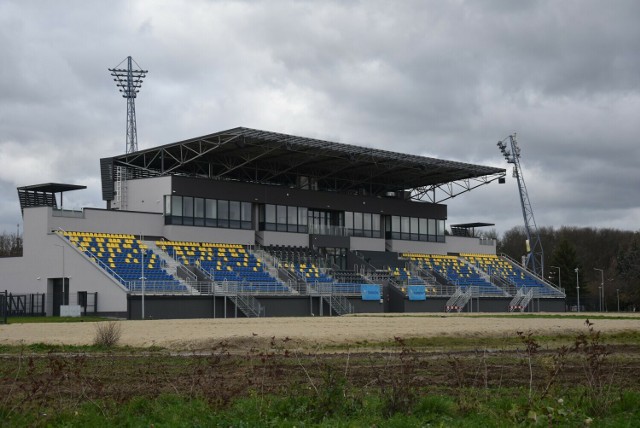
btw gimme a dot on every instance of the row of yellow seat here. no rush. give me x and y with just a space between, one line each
199 245
99 235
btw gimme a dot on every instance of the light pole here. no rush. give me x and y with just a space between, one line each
559 276
618 298
601 293
578 287
142 251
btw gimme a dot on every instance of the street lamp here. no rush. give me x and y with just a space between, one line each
559 277
142 252
601 288
578 287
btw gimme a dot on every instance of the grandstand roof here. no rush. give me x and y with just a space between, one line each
272 158
37 195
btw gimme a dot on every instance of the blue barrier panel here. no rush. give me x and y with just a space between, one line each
416 292
370 291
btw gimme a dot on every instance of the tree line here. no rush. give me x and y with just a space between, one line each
614 251
10 245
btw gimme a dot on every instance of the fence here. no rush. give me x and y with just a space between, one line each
16 305
89 302
3 307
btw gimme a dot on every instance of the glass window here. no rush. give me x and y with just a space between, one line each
223 213
234 210
187 210
405 228
246 211
441 227
198 207
167 205
292 215
211 212
357 221
211 208
292 219
375 225
198 211
281 214
423 226
366 223
302 216
281 218
414 229
302 220
223 209
187 206
405 225
432 227
234 214
246 215
424 233
176 205
348 220
270 213
395 223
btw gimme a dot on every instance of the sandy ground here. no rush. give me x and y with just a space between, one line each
202 333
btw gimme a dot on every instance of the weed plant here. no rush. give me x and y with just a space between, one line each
279 384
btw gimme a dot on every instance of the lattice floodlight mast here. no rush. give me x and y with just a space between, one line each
129 82
535 256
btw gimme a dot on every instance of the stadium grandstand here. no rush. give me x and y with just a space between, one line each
249 223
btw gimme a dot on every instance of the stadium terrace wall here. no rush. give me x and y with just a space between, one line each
186 307
485 304
45 256
174 307
40 270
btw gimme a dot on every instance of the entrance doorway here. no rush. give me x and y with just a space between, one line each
60 295
335 256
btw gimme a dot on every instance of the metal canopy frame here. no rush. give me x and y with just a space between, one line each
251 155
44 195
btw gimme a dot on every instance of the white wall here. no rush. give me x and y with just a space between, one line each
367 244
417 247
461 244
453 244
284 238
43 260
147 194
107 221
209 234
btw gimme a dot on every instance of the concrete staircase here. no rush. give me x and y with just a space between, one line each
174 267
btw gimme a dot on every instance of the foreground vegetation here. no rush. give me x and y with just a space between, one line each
534 381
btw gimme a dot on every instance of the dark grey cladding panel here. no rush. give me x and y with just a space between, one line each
265 194
106 173
328 241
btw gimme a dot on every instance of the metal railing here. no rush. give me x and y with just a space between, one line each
248 305
323 229
557 292
56 212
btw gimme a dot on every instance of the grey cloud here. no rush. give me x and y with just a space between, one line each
440 79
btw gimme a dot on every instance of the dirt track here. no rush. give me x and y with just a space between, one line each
198 333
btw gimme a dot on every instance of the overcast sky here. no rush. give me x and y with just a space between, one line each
441 79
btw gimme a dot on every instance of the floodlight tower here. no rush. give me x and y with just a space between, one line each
129 80
535 256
